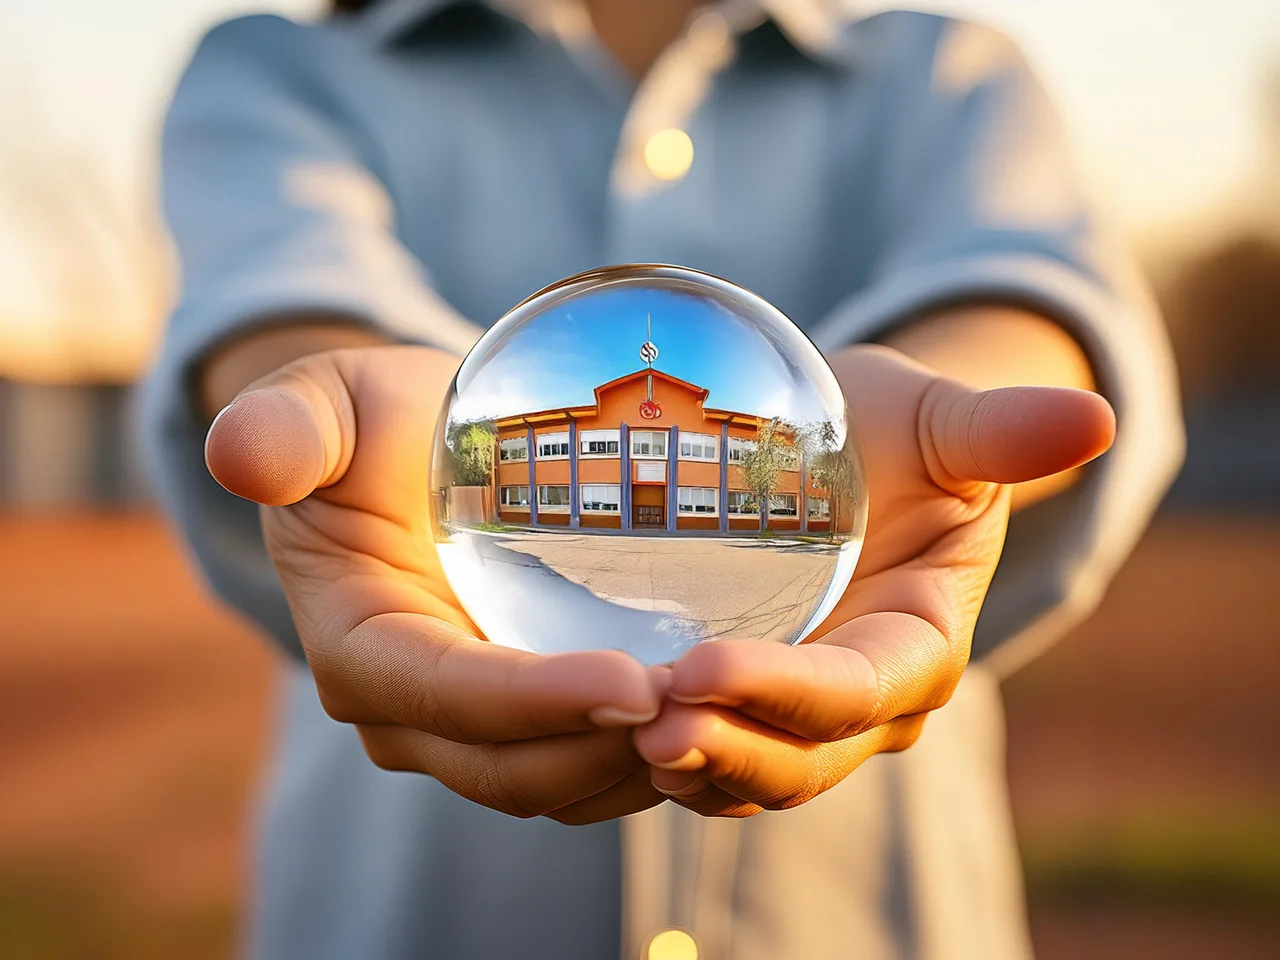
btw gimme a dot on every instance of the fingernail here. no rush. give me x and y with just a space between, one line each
695 759
208 433
223 411
617 717
690 787
712 698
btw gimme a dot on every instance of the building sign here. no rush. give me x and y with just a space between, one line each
651 471
650 409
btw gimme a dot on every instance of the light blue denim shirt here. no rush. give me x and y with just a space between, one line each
421 168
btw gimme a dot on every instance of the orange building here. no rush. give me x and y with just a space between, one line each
645 455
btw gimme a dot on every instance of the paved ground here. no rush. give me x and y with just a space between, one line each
651 596
133 718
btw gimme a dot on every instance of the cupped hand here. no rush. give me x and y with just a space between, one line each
750 726
337 448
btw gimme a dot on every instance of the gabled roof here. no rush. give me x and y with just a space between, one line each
565 414
701 392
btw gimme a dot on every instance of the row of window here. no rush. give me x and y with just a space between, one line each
605 443
606 498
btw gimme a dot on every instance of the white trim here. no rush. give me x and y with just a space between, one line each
503 505
702 442
666 444
522 442
582 499
715 503
647 464
558 438
553 507
738 445
774 513
732 513
820 517
606 436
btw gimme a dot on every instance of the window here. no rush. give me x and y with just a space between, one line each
696 499
783 505
553 498
598 443
514 497
737 447
742 503
516 449
697 446
552 446
601 497
790 458
649 443
819 509
651 471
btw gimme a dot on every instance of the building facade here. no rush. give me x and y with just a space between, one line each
647 454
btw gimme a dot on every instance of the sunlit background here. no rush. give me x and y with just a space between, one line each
1143 759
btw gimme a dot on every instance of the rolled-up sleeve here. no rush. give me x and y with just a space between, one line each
275 211
978 203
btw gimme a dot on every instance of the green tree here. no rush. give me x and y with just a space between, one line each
761 465
831 469
471 443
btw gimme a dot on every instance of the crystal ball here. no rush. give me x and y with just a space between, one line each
642 458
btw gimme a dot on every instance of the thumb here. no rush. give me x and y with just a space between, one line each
285 435
1012 434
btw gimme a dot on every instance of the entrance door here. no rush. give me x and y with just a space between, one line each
648 505
650 516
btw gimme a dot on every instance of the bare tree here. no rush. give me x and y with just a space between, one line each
771 454
830 468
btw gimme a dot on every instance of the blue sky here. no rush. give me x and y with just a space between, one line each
559 357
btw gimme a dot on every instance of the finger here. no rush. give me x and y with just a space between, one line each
816 691
860 674
425 674
1012 434
526 779
295 431
632 794
757 763
286 435
694 792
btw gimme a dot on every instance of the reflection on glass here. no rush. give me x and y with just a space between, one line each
641 458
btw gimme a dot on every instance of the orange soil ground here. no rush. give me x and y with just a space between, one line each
133 717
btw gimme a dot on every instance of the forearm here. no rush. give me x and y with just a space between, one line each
240 362
983 347
990 346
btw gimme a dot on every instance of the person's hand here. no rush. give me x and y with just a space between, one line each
749 725
337 448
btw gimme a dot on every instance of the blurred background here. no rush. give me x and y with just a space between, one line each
1143 749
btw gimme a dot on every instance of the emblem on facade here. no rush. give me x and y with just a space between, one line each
650 409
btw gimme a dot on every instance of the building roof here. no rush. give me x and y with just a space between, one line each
556 414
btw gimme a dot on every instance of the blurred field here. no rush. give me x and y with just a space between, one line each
1143 756
133 715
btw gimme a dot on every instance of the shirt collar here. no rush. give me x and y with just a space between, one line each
814 27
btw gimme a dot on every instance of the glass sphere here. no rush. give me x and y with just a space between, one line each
641 458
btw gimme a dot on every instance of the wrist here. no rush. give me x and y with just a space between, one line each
985 347
235 364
